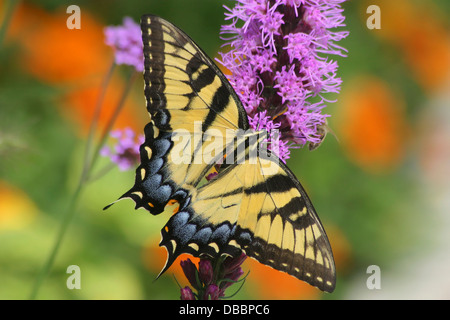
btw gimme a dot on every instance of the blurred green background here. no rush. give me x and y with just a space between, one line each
381 188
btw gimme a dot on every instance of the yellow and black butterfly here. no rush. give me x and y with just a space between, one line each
255 206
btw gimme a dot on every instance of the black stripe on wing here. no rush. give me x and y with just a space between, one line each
157 35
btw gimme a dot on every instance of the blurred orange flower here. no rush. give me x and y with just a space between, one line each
56 54
79 104
79 58
16 208
372 124
421 33
270 284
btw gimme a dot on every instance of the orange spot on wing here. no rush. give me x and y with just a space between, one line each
171 203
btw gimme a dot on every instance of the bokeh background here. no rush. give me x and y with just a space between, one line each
381 188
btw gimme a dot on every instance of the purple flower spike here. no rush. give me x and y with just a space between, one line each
232 270
205 270
127 43
211 282
190 271
187 294
231 264
212 292
126 152
278 63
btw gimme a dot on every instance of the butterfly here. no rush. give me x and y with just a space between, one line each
254 204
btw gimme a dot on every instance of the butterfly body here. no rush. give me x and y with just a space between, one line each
254 204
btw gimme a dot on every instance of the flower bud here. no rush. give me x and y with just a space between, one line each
205 270
190 271
187 294
212 292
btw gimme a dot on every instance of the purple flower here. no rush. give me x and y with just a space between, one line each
127 43
126 152
190 271
232 263
212 292
232 270
261 121
278 60
187 294
205 271
211 282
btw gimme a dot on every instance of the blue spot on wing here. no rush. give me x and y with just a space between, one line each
182 231
155 165
180 219
221 234
160 147
151 183
202 236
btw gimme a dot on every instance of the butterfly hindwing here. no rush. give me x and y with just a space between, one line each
265 213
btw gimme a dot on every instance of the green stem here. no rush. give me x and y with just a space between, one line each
67 218
242 284
9 11
87 163
100 173
84 177
114 117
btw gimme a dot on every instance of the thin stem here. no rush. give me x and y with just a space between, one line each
84 177
67 218
179 286
113 118
242 284
100 173
9 12
87 163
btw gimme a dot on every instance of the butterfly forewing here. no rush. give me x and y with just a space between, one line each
188 100
179 77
